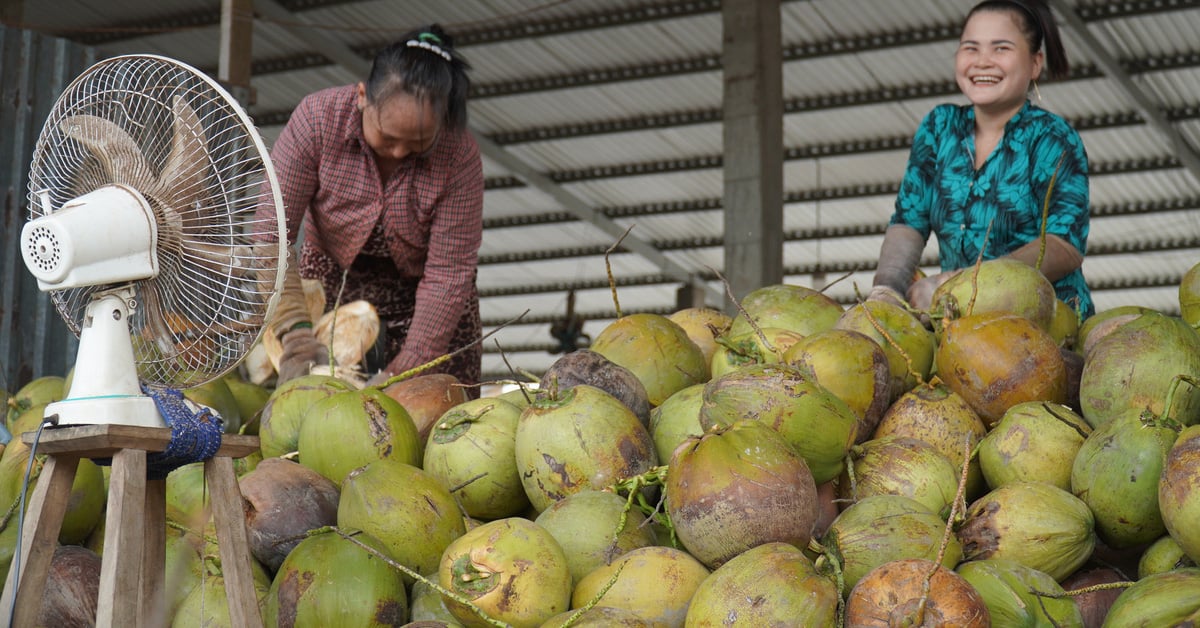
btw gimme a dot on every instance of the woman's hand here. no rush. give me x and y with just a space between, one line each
301 352
920 294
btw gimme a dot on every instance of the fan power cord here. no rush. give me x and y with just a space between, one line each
16 559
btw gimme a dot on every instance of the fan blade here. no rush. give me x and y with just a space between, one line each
119 155
180 185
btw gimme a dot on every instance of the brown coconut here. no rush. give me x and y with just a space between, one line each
72 588
283 501
995 360
593 369
915 592
426 398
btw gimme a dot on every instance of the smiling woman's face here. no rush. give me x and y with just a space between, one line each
399 126
994 65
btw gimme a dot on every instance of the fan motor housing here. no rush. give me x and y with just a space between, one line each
103 237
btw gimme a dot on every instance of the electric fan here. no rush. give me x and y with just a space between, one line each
157 227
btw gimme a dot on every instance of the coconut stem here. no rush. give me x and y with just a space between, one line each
946 534
413 372
634 485
1046 213
349 536
595 598
895 345
1169 403
612 282
749 319
1106 586
835 563
12 510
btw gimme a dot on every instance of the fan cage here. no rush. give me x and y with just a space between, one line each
220 229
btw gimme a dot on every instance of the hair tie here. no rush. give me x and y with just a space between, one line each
422 42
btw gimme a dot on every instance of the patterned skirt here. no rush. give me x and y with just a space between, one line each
374 279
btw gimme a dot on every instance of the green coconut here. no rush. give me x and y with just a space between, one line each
773 584
426 604
598 617
738 487
996 360
1064 325
350 429
736 352
1165 599
938 416
511 569
1035 441
1116 472
576 439
675 575
812 420
852 366
1101 324
330 580
879 530
796 308
900 465
217 395
472 451
908 345
1011 592
656 350
187 495
396 503
1165 554
1134 367
593 528
251 398
208 604
676 419
38 392
1003 284
284 412
1189 296
702 325
1035 524
85 505
1179 492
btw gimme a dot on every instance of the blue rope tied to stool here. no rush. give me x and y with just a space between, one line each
195 432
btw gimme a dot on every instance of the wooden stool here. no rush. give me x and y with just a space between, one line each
132 571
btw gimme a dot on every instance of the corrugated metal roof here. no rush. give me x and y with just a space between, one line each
620 102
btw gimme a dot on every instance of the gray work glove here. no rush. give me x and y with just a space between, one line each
301 352
898 258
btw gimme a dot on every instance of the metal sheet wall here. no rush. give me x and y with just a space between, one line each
34 70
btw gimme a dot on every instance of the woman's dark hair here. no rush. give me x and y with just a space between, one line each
423 63
1039 27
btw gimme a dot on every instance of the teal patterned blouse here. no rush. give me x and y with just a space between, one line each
943 193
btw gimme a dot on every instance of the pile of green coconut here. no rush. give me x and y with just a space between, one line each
991 461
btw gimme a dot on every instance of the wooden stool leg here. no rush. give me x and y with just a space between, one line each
153 611
230 518
39 537
120 571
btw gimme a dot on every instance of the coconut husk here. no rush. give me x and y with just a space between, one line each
350 329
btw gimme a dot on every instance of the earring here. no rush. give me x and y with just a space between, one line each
1037 92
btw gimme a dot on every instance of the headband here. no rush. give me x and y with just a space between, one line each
423 41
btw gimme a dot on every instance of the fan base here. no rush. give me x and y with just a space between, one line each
138 410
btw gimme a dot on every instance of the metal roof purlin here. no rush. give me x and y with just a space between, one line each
1150 110
579 207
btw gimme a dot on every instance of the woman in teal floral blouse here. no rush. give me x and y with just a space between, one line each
980 175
